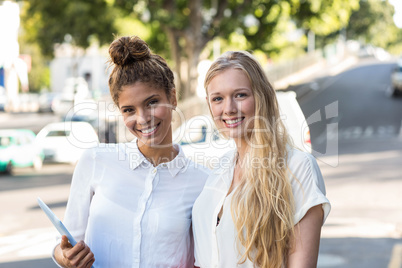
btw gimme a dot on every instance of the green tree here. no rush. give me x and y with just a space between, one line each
48 22
373 23
181 29
187 26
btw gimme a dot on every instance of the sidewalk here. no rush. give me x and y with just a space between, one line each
314 72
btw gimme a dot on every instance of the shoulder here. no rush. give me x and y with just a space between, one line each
299 161
308 185
194 169
304 170
106 151
224 162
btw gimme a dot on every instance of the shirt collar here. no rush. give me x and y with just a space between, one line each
134 155
136 158
178 163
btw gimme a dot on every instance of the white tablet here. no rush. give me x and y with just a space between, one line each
56 222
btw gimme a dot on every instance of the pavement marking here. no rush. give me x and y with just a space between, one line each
396 257
28 244
358 133
328 260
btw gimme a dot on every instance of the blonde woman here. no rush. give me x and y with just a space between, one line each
265 204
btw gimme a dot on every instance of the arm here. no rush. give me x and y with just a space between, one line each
76 215
79 256
304 253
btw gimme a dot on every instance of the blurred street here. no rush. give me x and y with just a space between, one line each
357 141
364 177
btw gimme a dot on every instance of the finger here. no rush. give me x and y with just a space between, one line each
88 260
71 253
80 259
64 244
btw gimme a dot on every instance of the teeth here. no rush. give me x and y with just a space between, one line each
230 122
149 130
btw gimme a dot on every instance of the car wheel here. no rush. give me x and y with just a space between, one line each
37 163
9 168
395 92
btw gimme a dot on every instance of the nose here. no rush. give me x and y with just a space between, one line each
139 118
143 117
230 107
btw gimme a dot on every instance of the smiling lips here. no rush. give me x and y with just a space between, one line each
231 123
149 131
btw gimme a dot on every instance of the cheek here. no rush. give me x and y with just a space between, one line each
215 110
129 121
162 112
249 107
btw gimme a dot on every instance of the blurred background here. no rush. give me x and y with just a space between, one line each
342 58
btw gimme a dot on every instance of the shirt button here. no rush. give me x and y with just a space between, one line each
164 165
154 171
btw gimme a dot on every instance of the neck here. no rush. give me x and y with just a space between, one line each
158 155
242 146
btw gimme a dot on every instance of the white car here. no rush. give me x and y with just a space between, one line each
64 142
202 143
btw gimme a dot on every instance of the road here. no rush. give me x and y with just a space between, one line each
356 134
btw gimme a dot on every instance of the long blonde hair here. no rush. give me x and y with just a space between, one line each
262 205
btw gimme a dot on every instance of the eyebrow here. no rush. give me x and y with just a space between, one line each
144 101
236 90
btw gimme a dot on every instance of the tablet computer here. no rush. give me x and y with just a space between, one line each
56 222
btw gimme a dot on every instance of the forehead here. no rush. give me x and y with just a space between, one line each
229 80
138 92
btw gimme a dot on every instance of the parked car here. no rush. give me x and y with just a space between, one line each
396 78
19 149
64 142
201 142
46 101
3 98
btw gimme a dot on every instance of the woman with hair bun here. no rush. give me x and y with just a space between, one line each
265 204
130 203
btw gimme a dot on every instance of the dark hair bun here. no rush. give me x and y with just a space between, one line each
127 50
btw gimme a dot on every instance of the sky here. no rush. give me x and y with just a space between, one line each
398 12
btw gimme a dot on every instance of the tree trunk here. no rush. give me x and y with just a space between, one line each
193 52
176 56
194 45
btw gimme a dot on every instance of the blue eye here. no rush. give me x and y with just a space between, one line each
241 95
217 99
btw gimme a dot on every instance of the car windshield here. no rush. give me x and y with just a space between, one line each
4 141
58 133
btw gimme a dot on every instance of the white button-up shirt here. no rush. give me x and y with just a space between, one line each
130 213
215 246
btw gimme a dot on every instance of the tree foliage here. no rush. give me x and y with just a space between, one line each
48 22
181 29
373 23
187 26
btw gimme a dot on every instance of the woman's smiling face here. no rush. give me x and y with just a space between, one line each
232 104
147 113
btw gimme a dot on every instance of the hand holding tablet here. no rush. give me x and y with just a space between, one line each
57 223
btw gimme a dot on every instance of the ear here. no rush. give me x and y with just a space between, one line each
173 99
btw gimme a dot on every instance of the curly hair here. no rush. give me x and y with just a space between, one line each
132 62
